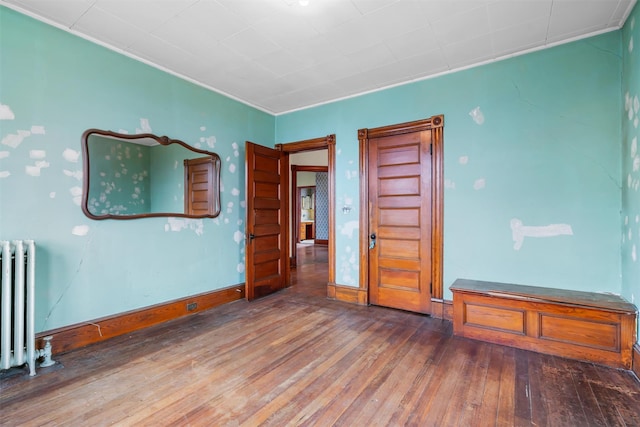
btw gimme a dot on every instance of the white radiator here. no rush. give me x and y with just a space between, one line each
17 304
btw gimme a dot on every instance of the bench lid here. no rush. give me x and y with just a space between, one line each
542 294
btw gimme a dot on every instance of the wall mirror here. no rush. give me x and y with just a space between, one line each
145 175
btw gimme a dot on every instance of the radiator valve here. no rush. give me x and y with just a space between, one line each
45 353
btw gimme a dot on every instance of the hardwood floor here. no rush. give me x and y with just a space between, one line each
296 358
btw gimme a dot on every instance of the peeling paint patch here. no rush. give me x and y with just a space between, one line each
479 184
76 192
178 224
238 236
15 139
74 174
71 155
235 192
37 154
634 255
80 230
35 169
463 160
232 168
6 113
203 128
4 154
520 231
449 184
37 130
477 116
4 174
349 227
211 141
240 267
52 195
144 126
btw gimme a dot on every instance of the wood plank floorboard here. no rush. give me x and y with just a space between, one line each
296 358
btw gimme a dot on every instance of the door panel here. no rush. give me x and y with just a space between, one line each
266 244
399 170
199 198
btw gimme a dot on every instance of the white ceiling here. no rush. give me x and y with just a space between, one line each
280 56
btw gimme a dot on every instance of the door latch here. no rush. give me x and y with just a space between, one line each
372 243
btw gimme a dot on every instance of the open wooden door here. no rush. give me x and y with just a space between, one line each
267 249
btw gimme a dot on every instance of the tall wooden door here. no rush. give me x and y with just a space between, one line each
267 250
399 193
200 180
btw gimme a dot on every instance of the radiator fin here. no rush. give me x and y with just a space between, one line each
17 304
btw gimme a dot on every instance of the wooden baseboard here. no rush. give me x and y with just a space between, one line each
636 360
442 309
324 242
347 294
82 334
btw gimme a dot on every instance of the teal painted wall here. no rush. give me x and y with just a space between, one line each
53 86
547 154
631 159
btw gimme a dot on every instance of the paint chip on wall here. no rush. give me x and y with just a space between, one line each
463 160
479 184
80 230
15 139
144 126
37 154
349 227
477 115
71 155
178 224
6 113
449 184
232 168
238 236
75 174
35 169
4 174
4 154
37 130
519 231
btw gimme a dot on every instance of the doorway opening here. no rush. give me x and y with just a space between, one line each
311 218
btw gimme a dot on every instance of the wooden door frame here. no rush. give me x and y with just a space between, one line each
435 124
324 143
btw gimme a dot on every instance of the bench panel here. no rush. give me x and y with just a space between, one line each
569 325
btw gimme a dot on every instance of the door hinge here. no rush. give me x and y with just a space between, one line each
431 148
431 288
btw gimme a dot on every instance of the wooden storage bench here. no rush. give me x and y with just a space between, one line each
587 326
